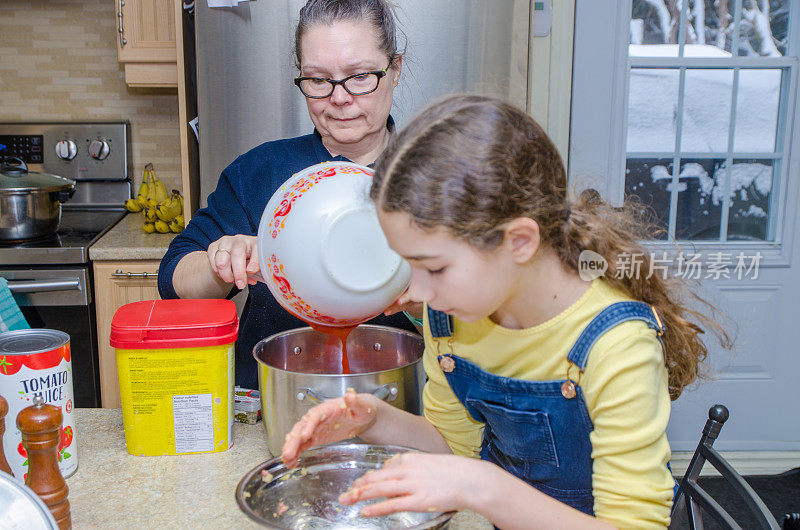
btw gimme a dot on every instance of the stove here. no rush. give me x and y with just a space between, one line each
51 277
79 229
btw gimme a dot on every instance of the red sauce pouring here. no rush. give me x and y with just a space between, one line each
337 332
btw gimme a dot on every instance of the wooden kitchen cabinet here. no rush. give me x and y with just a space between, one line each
150 44
117 283
146 42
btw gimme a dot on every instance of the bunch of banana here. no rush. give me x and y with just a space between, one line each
162 213
170 214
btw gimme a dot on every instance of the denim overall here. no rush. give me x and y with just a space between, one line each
532 429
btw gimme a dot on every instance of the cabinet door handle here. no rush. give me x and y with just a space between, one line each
122 41
119 273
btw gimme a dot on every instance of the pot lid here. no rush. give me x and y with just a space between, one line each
15 178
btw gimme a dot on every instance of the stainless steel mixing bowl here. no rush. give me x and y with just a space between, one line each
307 496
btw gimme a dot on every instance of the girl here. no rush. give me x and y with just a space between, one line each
561 385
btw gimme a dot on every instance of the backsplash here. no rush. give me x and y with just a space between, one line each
58 61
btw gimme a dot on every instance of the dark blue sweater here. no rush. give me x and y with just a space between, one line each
235 207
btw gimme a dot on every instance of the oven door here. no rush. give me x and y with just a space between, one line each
61 298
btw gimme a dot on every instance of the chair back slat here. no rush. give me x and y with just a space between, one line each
745 491
693 499
699 496
694 515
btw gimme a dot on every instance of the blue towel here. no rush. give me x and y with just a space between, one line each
11 317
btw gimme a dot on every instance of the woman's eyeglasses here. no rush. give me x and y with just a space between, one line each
355 85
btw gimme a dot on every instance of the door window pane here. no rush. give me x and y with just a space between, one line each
763 30
650 180
652 107
653 23
701 194
751 186
706 110
699 206
757 110
710 27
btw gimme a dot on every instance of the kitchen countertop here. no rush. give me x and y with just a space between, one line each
112 489
127 241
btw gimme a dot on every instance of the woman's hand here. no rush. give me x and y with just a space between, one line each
419 482
331 421
235 259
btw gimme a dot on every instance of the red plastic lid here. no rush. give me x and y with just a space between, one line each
174 324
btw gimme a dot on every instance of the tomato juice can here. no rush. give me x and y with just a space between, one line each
37 362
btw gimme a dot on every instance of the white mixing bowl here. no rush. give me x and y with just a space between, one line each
321 250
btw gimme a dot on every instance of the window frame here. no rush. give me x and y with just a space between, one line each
601 164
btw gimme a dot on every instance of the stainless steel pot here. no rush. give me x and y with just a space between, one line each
299 368
30 202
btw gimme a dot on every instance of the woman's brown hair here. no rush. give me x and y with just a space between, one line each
470 164
377 13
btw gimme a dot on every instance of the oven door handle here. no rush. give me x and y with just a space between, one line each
38 286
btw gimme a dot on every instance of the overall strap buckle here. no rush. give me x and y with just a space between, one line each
446 362
659 322
441 326
608 318
568 386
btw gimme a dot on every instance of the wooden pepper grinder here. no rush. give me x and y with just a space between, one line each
40 425
3 411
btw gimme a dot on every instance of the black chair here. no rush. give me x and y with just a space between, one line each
691 498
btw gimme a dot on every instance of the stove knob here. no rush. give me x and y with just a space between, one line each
99 149
66 149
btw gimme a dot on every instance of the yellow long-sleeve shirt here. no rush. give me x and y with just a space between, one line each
624 385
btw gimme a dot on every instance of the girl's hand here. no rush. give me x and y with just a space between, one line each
331 421
235 259
405 303
419 482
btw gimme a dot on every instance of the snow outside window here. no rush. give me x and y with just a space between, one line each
707 85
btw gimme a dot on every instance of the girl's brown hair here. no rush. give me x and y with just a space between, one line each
471 164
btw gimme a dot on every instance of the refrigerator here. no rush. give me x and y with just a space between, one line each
245 67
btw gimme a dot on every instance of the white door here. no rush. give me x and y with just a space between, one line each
692 107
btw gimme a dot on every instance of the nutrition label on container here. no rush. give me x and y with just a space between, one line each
194 423
178 400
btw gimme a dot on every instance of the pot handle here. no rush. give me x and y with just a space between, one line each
14 165
62 196
387 392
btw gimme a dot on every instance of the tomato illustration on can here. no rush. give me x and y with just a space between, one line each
37 362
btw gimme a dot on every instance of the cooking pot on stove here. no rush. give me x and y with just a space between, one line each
301 367
30 202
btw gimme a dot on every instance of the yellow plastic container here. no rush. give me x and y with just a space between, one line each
175 362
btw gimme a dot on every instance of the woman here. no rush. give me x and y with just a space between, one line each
349 64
